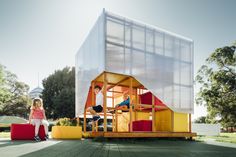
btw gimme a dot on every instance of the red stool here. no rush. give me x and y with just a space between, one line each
25 132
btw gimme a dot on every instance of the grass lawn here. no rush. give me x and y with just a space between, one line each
224 137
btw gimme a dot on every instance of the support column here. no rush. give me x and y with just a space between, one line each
116 117
85 123
77 121
153 114
189 123
138 92
93 102
93 127
96 126
105 101
136 104
131 107
172 121
113 120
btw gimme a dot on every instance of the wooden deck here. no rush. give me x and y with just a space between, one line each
141 134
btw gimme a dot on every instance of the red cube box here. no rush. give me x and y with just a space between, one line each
142 125
25 132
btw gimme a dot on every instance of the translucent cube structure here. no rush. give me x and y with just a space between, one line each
159 60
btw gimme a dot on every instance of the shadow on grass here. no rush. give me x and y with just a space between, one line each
132 147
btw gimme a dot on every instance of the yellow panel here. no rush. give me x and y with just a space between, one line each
66 132
181 122
123 121
86 134
141 115
163 120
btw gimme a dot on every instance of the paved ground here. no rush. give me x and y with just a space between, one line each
115 148
10 148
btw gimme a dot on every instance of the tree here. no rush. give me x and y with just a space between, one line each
59 93
14 99
201 119
218 86
4 93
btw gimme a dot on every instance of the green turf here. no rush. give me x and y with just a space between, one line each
226 137
133 148
223 137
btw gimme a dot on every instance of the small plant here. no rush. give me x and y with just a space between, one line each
66 122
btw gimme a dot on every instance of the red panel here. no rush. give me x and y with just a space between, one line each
25 132
146 98
89 98
142 125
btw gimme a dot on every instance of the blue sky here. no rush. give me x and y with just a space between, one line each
40 36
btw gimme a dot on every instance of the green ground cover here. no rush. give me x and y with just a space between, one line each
223 137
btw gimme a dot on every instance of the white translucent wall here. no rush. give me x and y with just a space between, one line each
161 61
89 63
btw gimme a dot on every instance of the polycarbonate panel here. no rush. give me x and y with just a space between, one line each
127 61
127 34
138 65
149 41
176 49
89 63
185 48
159 42
169 45
168 94
185 73
185 97
176 72
160 60
176 97
138 37
115 31
115 58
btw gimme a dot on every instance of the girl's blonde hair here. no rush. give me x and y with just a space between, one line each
37 102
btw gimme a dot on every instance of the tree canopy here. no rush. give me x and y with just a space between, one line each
201 119
218 86
59 93
14 99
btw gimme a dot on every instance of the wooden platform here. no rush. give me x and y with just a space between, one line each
141 134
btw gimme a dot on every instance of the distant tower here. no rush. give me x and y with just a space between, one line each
36 92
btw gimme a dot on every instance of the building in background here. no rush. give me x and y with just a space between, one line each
36 92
